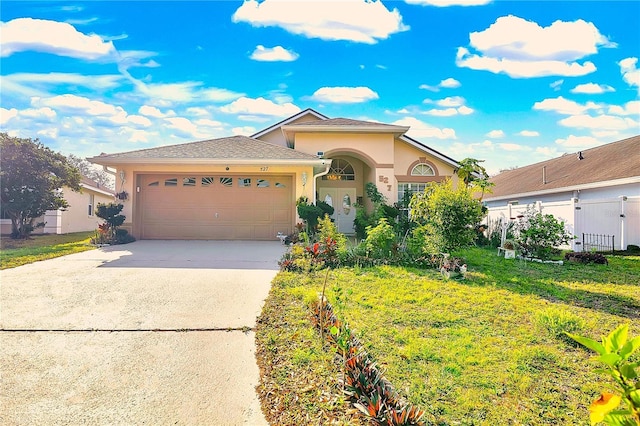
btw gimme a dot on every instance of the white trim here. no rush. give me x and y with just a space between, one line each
591 185
211 161
98 190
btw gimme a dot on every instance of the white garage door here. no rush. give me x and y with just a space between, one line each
215 207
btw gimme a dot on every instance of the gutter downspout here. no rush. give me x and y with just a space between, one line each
315 178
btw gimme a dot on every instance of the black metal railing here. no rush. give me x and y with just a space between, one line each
598 242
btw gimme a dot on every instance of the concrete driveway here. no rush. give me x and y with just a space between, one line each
153 332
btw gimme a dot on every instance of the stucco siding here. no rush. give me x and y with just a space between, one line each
377 147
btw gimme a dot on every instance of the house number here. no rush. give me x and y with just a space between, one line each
264 169
383 179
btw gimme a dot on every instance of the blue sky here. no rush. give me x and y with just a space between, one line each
511 83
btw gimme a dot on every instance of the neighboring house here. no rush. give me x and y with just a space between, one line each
242 187
79 216
595 191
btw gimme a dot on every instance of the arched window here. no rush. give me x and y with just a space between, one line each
422 169
340 170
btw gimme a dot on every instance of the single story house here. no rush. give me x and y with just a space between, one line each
78 217
246 188
595 192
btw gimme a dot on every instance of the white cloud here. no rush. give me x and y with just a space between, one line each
495 134
58 38
592 88
556 85
573 143
452 105
630 108
74 103
273 54
354 20
600 122
419 129
139 120
259 106
39 113
445 3
451 101
513 147
529 133
151 111
7 114
447 112
521 69
244 131
184 127
344 95
521 48
630 74
198 111
448 83
565 106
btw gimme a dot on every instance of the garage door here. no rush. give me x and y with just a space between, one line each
215 207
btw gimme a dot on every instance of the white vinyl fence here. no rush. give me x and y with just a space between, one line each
617 217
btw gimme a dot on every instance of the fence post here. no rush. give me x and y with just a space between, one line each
613 244
583 241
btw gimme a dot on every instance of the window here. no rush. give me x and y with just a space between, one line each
263 183
156 183
226 181
422 169
91 202
189 181
207 181
340 170
280 185
407 190
244 182
171 182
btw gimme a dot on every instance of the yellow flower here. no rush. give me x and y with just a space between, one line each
601 406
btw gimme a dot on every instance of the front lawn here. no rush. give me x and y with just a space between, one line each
40 247
484 350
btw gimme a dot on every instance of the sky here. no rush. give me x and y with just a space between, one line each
508 82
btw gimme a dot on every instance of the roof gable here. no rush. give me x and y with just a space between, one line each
613 161
308 114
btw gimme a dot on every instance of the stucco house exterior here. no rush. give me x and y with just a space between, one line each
242 187
78 217
595 191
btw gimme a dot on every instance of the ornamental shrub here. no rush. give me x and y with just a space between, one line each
381 242
538 235
448 216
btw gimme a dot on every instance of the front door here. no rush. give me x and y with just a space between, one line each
342 200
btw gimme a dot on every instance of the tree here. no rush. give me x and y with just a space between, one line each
87 169
446 217
31 177
470 170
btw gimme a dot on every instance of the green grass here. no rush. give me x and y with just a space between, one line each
38 247
486 350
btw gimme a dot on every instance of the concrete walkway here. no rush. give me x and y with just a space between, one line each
153 332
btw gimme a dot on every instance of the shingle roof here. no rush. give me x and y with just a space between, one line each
342 122
234 147
616 160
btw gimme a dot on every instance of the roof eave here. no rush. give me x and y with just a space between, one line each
96 189
211 161
429 150
590 185
307 128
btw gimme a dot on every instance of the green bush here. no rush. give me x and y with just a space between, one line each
381 241
312 213
539 235
449 216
